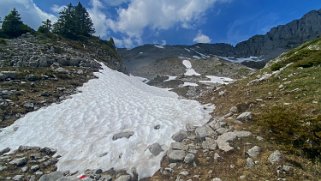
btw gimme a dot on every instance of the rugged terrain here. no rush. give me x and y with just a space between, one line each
254 52
36 71
271 121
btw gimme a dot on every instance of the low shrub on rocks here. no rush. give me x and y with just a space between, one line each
293 129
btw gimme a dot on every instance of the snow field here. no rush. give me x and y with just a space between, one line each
81 128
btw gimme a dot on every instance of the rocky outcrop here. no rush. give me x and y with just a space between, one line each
268 46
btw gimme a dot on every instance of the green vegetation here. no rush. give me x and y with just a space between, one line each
45 27
12 26
74 22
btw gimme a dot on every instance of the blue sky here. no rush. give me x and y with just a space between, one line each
136 22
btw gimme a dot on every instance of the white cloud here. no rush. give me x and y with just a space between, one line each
30 13
138 15
115 2
201 38
56 8
99 18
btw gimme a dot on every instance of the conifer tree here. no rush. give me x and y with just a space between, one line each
12 25
45 27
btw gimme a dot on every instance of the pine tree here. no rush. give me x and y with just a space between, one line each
74 22
45 27
12 25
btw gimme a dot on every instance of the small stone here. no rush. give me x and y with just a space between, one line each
275 157
39 173
246 116
6 150
216 179
34 168
242 177
216 156
259 138
18 178
157 127
254 151
98 171
155 149
19 161
172 165
184 173
103 154
48 151
233 110
287 168
189 158
176 155
24 169
126 134
123 178
106 177
249 163
32 178
180 136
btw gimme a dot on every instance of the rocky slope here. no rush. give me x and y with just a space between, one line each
265 47
266 126
36 71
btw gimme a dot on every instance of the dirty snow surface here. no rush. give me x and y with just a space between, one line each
81 128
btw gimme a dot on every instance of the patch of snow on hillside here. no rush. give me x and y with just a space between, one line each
217 80
170 78
243 59
187 64
189 84
82 128
189 70
188 50
159 46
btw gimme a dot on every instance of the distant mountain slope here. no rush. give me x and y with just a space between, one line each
266 47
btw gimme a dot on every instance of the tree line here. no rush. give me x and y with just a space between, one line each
74 22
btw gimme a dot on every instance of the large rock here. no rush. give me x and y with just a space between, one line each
5 150
176 155
246 116
178 146
155 149
209 144
275 157
204 131
8 74
254 151
189 158
126 134
19 161
51 176
223 140
180 136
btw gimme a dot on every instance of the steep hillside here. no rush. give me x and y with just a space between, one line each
37 70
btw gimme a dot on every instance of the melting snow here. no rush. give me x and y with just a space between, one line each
170 78
81 128
189 70
189 84
244 59
217 80
159 46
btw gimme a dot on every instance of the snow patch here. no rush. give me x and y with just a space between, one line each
170 78
243 59
159 46
81 128
142 79
217 80
189 70
191 84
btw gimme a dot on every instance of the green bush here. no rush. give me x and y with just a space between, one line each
289 127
